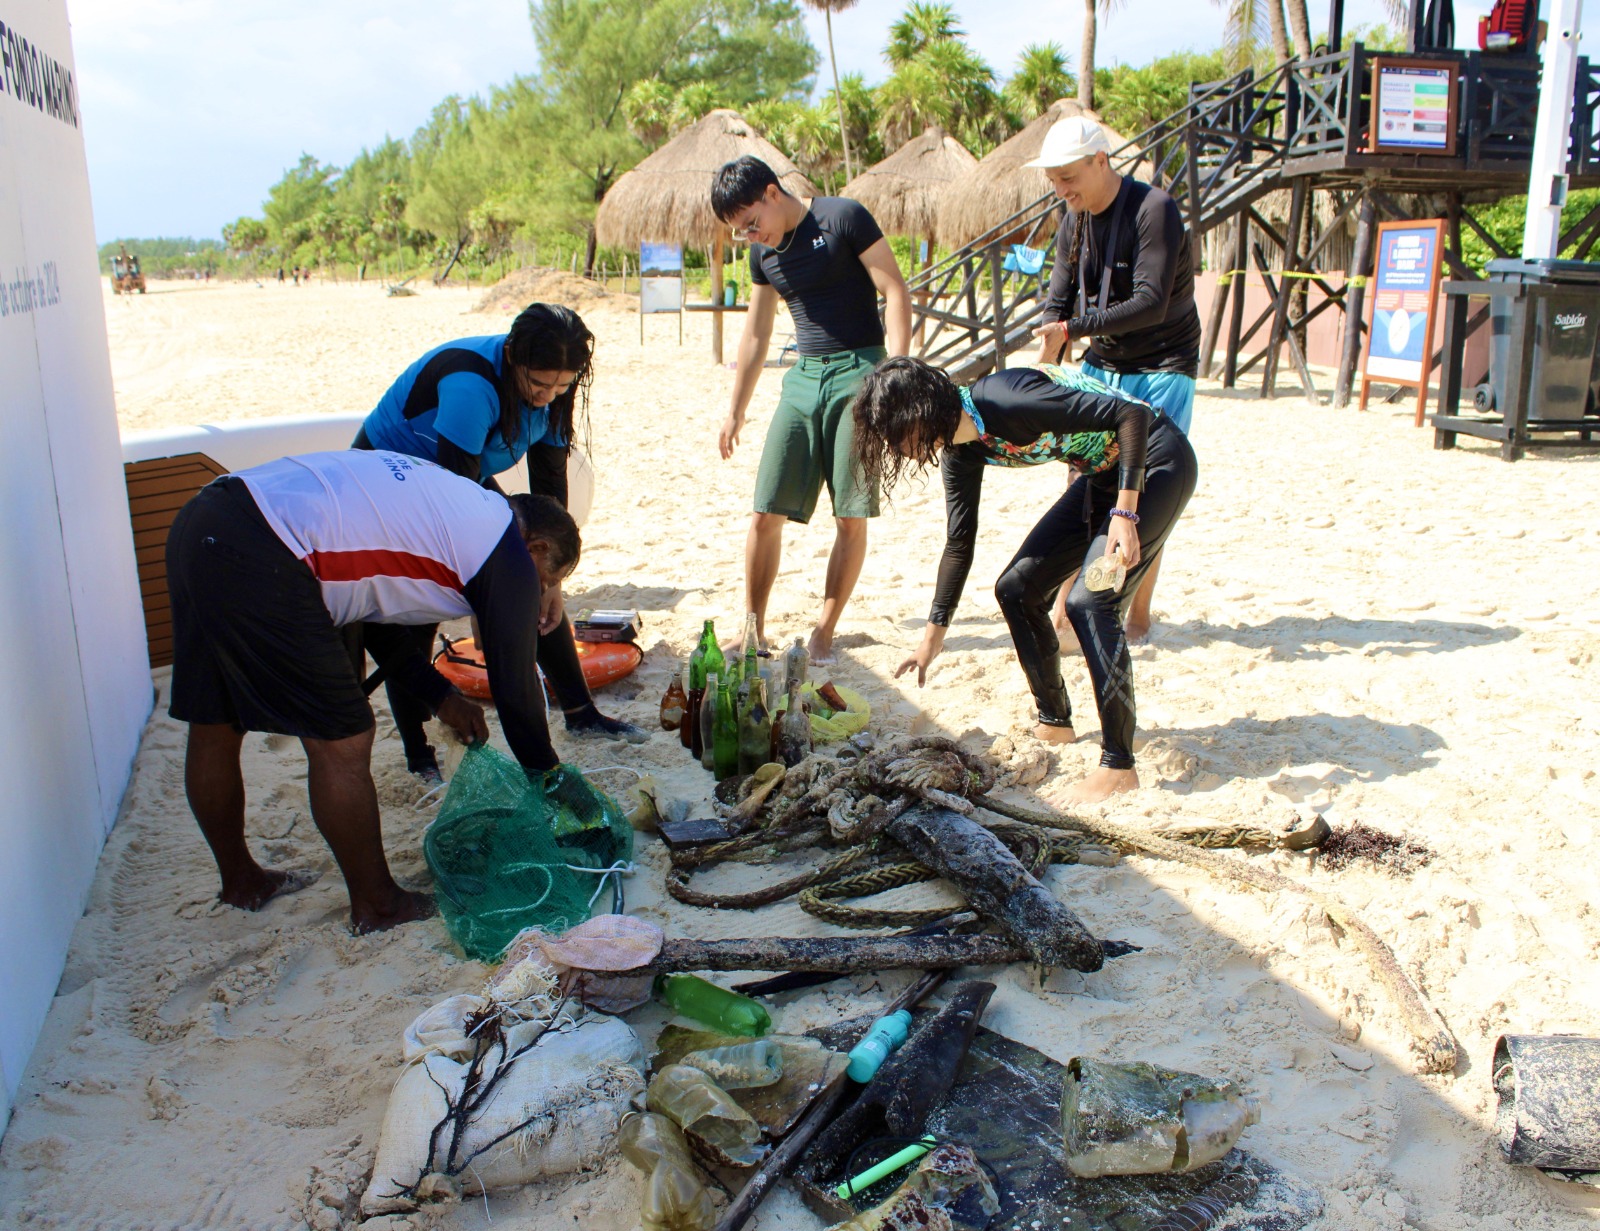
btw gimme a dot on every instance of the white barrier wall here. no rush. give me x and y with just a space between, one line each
76 688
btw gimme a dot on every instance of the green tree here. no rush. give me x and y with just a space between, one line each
1135 98
592 52
828 8
1248 26
693 103
294 200
246 236
1043 75
938 79
918 28
648 108
450 178
854 100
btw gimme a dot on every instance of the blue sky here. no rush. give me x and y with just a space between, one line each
192 108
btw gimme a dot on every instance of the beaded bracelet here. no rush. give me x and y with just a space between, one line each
1128 513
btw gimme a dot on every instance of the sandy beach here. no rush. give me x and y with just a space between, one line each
1349 623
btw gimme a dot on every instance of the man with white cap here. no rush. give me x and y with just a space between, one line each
1124 279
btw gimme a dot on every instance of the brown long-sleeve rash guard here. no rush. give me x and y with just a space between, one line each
1149 323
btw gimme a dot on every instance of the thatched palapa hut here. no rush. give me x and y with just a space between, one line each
1001 185
667 197
904 191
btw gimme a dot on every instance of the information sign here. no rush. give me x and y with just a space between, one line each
1405 297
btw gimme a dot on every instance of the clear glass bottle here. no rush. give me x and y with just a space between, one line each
706 726
755 730
796 664
794 729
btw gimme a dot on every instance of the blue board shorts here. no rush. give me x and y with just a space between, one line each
1170 392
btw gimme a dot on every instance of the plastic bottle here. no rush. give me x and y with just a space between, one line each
707 724
675 1197
886 1034
794 729
740 1066
674 702
700 1107
725 734
1106 572
755 730
710 1005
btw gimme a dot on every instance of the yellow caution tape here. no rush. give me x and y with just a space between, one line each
1228 276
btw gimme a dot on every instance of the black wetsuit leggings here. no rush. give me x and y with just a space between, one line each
557 657
1064 542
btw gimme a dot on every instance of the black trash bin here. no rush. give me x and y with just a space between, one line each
1565 382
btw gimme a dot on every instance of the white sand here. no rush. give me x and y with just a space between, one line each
1349 621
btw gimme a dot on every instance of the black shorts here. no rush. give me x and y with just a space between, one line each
253 643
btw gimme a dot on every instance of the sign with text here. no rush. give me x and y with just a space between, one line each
1405 296
1413 106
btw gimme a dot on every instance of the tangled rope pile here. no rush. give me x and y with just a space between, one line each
820 801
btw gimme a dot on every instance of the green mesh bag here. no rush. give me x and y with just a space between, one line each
508 850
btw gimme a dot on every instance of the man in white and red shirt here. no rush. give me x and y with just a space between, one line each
267 565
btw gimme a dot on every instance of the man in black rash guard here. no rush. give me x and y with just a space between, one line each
828 260
1123 278
267 565
1136 474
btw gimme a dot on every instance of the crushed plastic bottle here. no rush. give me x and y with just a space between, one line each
1106 572
705 1111
1141 1119
675 1198
717 1007
743 1066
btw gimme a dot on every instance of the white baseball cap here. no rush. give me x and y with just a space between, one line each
1069 140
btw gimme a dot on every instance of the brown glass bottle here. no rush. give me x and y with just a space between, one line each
674 703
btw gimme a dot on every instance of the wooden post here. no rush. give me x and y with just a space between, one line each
1219 305
1355 302
1236 288
1280 309
716 298
997 304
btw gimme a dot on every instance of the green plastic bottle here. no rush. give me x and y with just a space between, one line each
710 1005
725 734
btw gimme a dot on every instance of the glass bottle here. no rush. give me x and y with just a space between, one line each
755 729
725 734
713 658
706 727
751 648
673 704
796 663
689 728
794 731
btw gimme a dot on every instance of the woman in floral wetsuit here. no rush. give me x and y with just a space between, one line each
1134 474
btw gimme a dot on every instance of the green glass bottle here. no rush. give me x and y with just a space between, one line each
714 660
750 651
725 735
755 730
697 658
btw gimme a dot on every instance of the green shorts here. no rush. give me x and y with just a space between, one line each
809 442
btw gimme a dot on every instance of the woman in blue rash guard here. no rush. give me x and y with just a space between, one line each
477 407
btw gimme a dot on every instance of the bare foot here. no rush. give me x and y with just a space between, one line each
254 893
1066 638
1136 631
1047 734
821 647
404 909
1102 784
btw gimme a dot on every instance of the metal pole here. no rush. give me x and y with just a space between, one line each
1355 301
1547 179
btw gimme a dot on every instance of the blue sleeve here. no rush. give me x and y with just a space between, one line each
469 409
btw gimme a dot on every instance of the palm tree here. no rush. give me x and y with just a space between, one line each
1246 22
1300 28
911 99
920 27
1086 56
648 108
1043 75
828 7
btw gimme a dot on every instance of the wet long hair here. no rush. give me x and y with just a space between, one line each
904 415
548 337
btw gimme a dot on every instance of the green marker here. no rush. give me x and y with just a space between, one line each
891 1164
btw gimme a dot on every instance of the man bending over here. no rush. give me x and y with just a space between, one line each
267 565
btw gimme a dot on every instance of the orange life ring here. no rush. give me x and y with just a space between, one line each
603 662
